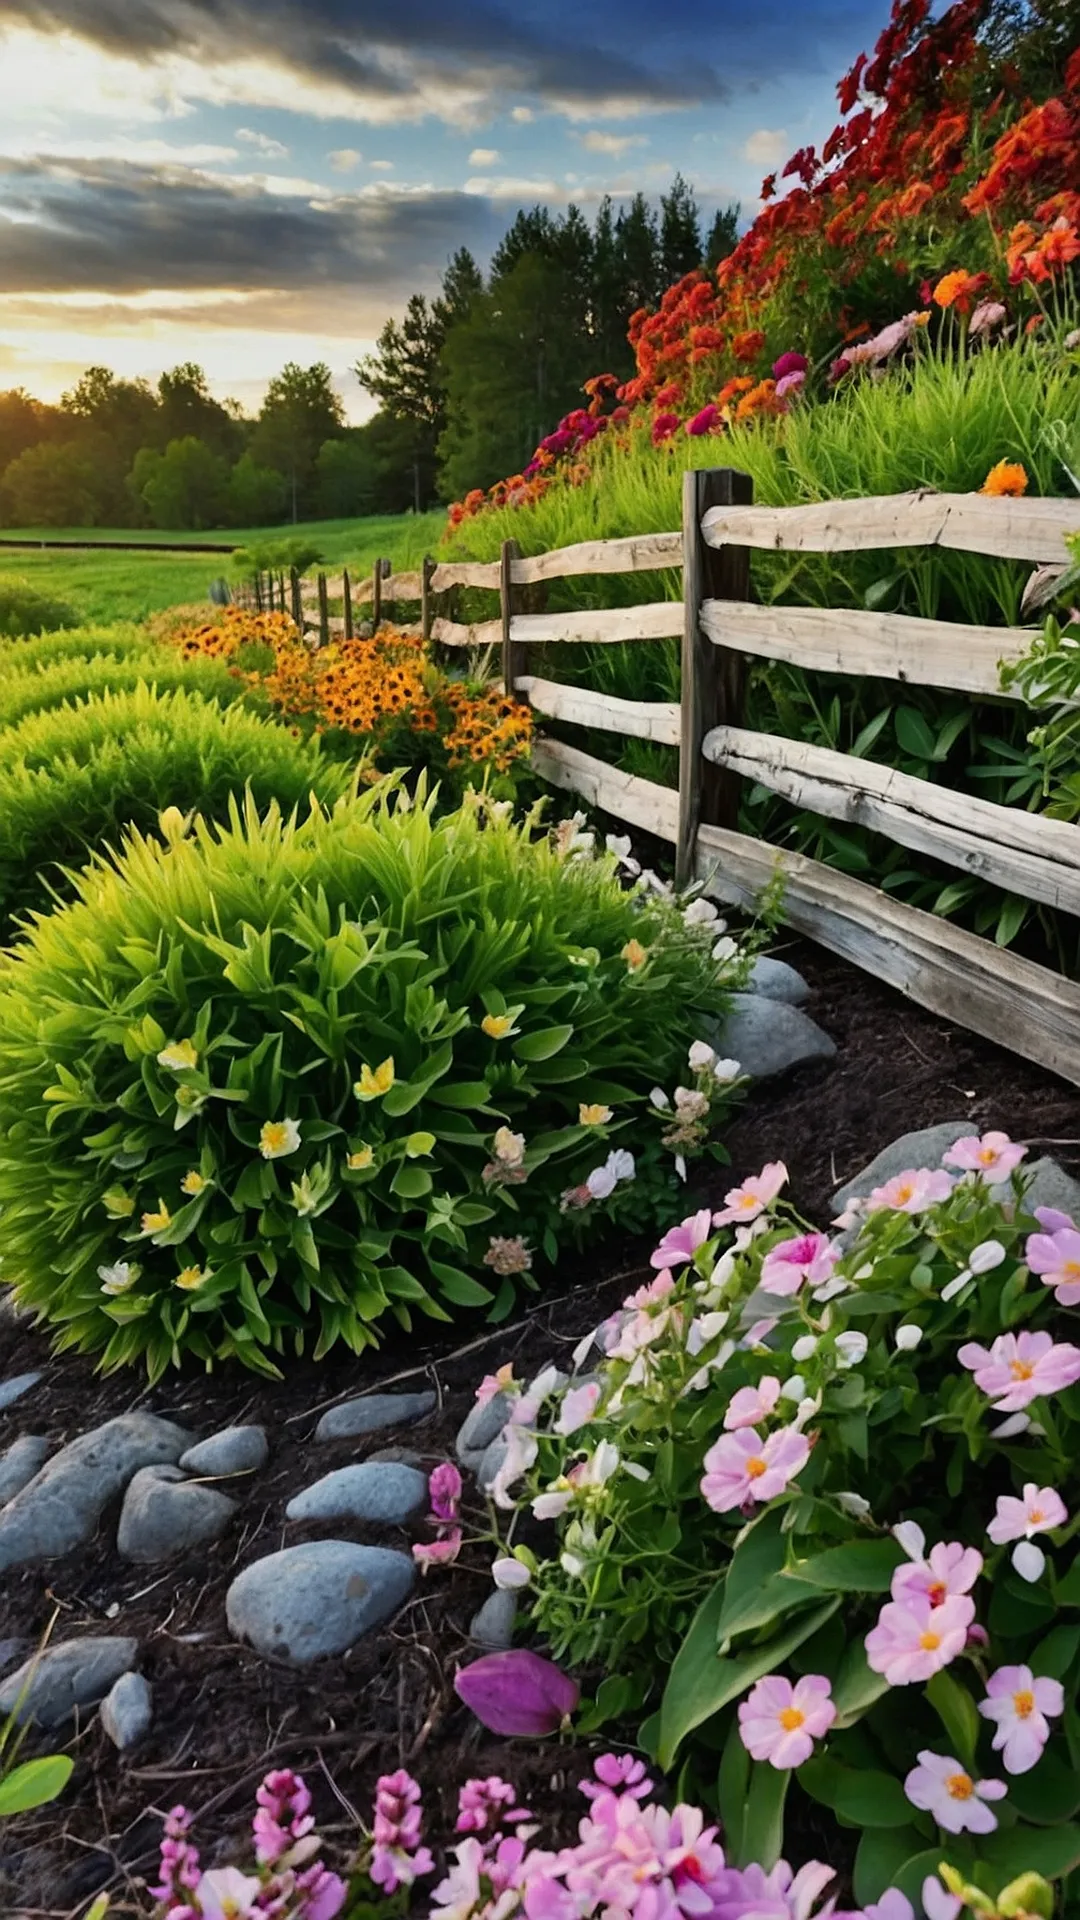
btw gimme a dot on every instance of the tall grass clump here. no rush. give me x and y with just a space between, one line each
39 689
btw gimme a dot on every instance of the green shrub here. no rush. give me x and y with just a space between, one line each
266 1097
73 777
39 689
117 641
23 610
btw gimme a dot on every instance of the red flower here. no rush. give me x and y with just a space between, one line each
848 91
663 427
747 346
768 186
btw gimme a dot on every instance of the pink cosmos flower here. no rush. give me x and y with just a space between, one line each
682 1242
1056 1258
1038 1511
1019 1705
993 1155
742 1469
746 1202
811 1257
779 1722
947 1570
751 1404
438 1553
1021 1366
444 1488
913 1639
911 1192
939 1786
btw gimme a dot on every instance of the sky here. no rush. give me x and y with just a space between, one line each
246 182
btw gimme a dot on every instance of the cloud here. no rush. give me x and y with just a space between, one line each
513 188
612 144
344 159
767 146
522 115
272 149
382 166
484 156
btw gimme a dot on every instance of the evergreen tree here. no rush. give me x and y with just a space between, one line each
532 232
680 232
723 235
607 313
300 411
638 247
405 374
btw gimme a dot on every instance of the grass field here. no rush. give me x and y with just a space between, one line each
128 586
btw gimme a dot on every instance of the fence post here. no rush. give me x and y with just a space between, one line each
713 678
297 598
324 613
515 657
346 594
427 568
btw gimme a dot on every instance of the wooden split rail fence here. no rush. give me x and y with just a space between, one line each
956 974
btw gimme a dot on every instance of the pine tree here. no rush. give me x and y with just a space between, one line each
680 232
638 246
723 234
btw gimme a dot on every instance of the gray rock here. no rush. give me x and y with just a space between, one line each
233 1450
403 1456
923 1148
309 1601
127 1710
60 1507
766 1037
13 1651
481 1425
13 1389
775 980
490 1461
1052 1187
372 1413
18 1465
493 1626
164 1515
381 1492
77 1673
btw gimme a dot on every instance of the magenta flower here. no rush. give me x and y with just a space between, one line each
438 1553
779 1722
947 1570
1055 1257
618 1772
746 1202
1038 1511
913 1639
1021 1366
517 1692
682 1242
705 421
741 1469
789 363
397 1857
663 427
751 1404
911 1192
785 1267
994 1156
1019 1705
939 1786
444 1490
484 1805
789 383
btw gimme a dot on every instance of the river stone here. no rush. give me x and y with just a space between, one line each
127 1709
76 1673
164 1515
13 1651
233 1450
923 1148
493 1626
383 1493
309 1601
18 1465
481 1425
13 1389
61 1506
1051 1187
775 980
766 1037
490 1461
373 1412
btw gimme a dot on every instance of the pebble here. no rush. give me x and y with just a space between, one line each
127 1710
61 1506
775 980
13 1389
371 1413
766 1037
922 1148
493 1626
490 1461
76 1673
383 1492
19 1463
481 1425
404 1456
164 1515
233 1450
1052 1187
309 1601
13 1651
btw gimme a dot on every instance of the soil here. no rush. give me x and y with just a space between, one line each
222 1716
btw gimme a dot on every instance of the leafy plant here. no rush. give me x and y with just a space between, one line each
286 1105
39 688
23 610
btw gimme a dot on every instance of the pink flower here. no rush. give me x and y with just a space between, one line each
1052 1220
484 1805
493 1383
1019 1704
913 1639
911 1192
742 1469
790 363
1056 1258
578 1406
988 314
438 1553
789 383
939 1786
663 427
779 1722
705 421
751 1404
444 1490
1021 1366
682 1242
994 1156
517 1692
755 1194
948 1569
1038 1511
227 1894
618 1772
811 1257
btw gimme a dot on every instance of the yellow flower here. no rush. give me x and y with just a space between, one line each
497 1025
375 1081
593 1114
194 1182
118 1204
635 955
179 1055
192 1278
363 1158
156 1222
279 1137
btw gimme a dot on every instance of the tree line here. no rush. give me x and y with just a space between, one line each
466 383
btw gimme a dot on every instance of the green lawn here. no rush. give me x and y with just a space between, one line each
128 586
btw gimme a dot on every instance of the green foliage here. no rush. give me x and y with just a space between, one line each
183 487
38 688
73 777
23 610
261 1111
52 484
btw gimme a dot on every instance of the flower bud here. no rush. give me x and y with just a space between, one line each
517 1692
907 1337
804 1346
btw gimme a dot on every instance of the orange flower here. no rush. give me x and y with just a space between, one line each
740 383
1007 479
960 289
747 346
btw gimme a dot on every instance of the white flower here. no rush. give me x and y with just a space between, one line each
552 1504
572 1564
1028 1559
577 1407
793 1389
865 1272
118 1278
619 845
701 1056
623 1163
804 1346
278 1138
700 913
509 1148
521 1451
806 1410
957 1284
986 1257
583 1349
854 1504
829 1288
658 1098
1009 1428
636 1471
726 1069
851 1349
907 1337
510 1575
601 1464
680 1165
909 1535
602 1181
725 949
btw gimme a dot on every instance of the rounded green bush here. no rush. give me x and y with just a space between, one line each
24 610
36 689
250 1081
118 640
74 777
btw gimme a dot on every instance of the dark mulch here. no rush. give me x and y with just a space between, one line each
222 1716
